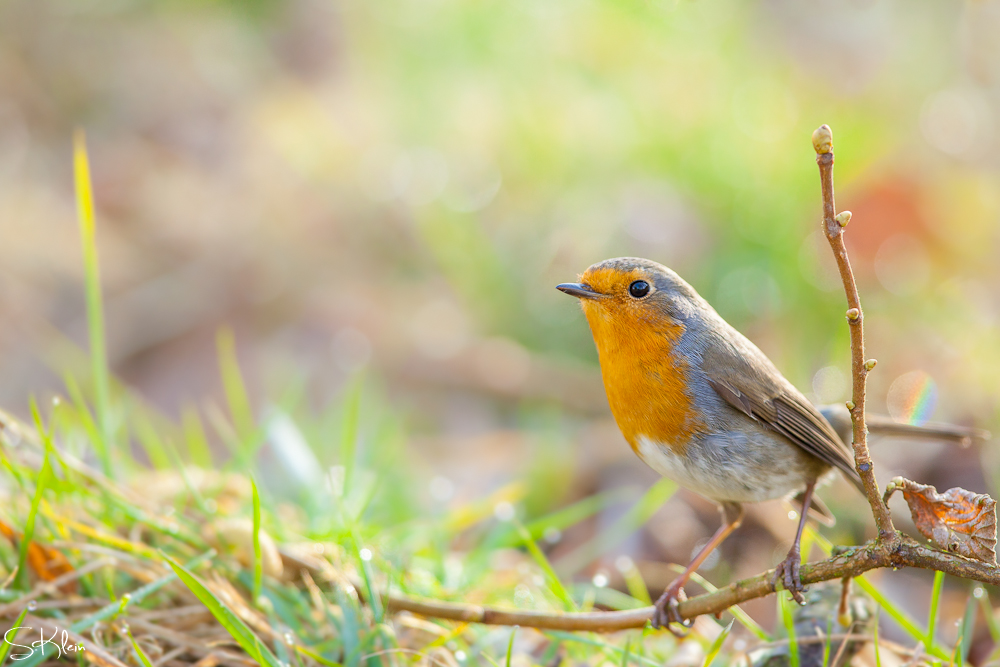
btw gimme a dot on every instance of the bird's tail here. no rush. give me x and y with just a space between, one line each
840 419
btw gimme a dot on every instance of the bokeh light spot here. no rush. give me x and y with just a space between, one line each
954 120
829 384
442 489
912 397
504 511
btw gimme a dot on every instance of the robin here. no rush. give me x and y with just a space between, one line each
702 405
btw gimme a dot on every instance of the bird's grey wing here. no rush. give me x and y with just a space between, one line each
745 379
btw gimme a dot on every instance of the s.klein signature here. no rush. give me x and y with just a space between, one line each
60 641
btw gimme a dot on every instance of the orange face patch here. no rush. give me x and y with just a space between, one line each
643 378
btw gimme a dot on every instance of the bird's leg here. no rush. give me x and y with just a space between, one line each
788 570
665 613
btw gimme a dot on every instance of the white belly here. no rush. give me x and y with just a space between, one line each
721 470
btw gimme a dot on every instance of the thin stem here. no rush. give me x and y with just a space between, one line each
833 227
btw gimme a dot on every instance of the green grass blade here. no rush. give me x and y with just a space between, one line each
551 577
788 620
182 470
234 387
86 420
233 624
968 628
878 653
489 659
316 656
636 585
368 578
348 623
991 621
9 640
932 615
149 438
510 645
199 453
21 582
95 307
138 649
827 643
257 564
716 646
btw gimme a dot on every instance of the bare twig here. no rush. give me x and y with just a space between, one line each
833 227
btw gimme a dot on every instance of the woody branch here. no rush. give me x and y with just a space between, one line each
850 562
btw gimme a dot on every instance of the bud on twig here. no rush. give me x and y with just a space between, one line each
870 364
843 218
853 314
850 405
823 139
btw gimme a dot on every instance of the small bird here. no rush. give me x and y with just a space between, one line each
702 405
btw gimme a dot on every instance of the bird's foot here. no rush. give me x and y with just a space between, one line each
787 573
666 613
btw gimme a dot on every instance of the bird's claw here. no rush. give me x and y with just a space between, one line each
787 573
666 612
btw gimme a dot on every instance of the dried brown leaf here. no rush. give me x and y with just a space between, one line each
46 562
50 564
957 520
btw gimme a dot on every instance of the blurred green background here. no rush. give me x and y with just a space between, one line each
394 187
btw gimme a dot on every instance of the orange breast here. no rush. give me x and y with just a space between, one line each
643 377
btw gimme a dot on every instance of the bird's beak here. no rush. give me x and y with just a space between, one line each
579 290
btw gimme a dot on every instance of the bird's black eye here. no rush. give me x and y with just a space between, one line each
639 289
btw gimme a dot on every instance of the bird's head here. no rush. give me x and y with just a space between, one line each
638 311
628 296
